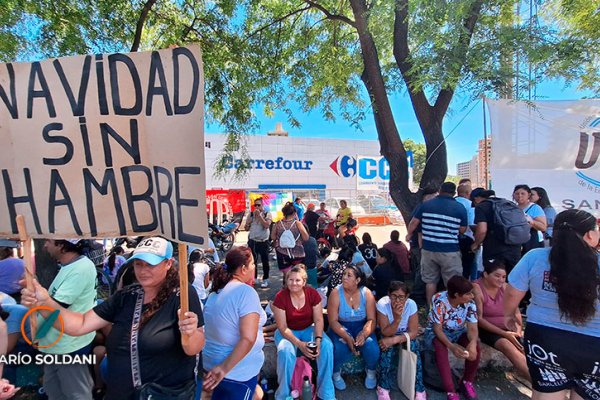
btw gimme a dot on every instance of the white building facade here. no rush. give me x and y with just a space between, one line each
301 163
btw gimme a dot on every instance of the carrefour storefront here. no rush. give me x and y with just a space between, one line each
281 168
298 163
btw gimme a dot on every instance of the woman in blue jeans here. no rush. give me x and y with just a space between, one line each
299 317
351 313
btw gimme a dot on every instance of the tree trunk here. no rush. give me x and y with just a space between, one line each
392 147
434 174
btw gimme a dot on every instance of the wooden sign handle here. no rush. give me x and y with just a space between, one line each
28 259
183 284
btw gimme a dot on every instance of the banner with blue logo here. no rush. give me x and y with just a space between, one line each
550 144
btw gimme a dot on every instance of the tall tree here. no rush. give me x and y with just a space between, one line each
430 49
340 57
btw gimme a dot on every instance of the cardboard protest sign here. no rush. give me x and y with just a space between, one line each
104 145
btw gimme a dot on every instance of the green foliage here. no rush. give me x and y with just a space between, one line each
453 178
274 53
419 157
579 20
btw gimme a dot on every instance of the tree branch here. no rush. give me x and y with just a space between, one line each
330 15
402 55
461 50
277 20
140 25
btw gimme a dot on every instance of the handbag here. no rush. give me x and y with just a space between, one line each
407 369
152 390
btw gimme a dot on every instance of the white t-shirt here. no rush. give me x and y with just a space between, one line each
211 245
222 314
200 271
384 306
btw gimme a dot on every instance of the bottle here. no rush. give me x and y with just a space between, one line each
306 389
295 395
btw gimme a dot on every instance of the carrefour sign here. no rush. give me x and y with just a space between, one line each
372 173
368 167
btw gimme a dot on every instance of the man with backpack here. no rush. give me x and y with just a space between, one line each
501 226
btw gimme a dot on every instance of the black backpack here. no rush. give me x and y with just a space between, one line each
510 225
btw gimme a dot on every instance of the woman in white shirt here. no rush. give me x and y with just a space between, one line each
199 274
396 315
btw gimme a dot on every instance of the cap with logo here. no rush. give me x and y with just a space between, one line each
153 250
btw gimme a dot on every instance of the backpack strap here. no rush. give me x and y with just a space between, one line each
299 233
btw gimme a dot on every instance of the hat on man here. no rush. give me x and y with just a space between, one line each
153 250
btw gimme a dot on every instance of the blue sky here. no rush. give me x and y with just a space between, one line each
465 120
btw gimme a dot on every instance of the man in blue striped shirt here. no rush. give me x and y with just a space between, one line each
442 219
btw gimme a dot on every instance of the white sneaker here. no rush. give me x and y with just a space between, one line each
264 283
371 379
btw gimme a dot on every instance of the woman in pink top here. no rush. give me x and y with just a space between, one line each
489 298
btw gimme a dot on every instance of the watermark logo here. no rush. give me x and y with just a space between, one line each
44 328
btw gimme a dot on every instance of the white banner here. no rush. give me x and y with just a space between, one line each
104 146
550 144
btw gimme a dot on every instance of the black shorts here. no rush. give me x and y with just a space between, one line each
488 337
559 360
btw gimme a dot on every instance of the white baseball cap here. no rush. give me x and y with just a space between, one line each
153 250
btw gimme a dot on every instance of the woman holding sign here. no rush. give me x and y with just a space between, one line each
145 344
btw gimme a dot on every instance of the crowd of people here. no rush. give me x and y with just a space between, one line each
476 259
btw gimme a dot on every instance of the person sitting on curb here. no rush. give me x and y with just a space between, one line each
299 316
489 298
453 327
351 314
396 315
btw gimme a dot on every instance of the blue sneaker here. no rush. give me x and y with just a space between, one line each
371 379
338 381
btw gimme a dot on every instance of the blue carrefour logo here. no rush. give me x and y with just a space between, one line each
344 166
371 168
367 167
